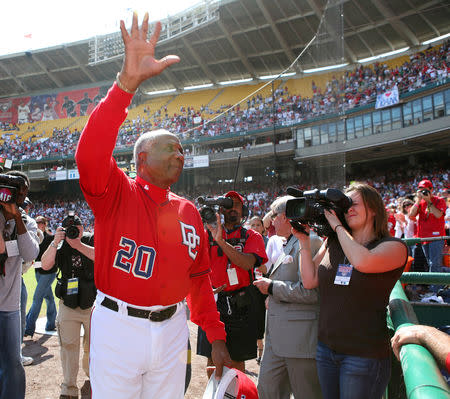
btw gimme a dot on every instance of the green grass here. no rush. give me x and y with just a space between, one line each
30 282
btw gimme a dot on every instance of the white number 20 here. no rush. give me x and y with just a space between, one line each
144 258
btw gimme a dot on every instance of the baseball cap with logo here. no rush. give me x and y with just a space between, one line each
234 384
426 184
236 195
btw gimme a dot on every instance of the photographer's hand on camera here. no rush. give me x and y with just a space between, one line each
243 260
216 229
12 211
332 219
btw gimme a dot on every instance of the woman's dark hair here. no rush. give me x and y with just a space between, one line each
405 203
372 200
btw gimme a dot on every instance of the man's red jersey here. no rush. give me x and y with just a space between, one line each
150 244
427 224
254 244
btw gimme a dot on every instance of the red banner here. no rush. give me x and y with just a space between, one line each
51 106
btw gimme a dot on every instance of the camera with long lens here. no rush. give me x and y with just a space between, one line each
308 208
210 207
71 228
10 187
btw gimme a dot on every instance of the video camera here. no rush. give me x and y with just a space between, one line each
210 207
308 208
9 187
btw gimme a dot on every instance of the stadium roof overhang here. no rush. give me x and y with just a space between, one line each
240 39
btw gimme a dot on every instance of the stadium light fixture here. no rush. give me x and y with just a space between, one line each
232 82
154 93
436 39
388 54
327 68
204 86
283 75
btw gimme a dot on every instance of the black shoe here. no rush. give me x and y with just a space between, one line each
67 397
86 390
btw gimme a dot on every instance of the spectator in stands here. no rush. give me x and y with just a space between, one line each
430 210
288 364
355 270
437 342
43 289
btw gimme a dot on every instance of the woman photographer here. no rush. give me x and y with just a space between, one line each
355 270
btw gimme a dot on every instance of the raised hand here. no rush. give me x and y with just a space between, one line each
139 63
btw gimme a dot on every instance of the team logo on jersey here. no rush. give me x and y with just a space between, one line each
239 247
190 239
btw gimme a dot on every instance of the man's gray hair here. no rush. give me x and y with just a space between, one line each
145 141
279 205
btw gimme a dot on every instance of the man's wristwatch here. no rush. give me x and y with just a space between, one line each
53 244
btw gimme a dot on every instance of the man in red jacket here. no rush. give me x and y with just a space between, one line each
151 251
430 210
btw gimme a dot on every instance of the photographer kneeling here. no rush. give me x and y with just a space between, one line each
355 270
72 250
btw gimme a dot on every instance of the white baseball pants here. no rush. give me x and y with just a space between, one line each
132 358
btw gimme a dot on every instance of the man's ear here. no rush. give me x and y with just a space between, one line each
142 158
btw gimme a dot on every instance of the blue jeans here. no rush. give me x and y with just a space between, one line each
43 290
351 377
433 253
23 309
12 374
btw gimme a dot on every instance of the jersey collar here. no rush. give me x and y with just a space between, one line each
157 194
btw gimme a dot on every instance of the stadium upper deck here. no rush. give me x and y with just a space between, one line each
227 40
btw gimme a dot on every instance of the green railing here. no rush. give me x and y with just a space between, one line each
416 240
422 377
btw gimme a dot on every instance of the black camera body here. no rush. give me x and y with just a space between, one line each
70 226
308 208
9 187
210 207
425 192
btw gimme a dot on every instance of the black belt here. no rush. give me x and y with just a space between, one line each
159 315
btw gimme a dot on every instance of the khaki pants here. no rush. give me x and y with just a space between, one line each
68 324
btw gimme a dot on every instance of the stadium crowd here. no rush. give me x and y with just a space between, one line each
393 186
354 88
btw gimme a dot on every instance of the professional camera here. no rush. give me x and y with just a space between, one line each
308 208
425 192
209 207
70 225
9 187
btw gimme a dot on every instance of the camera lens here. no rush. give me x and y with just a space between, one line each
296 208
72 232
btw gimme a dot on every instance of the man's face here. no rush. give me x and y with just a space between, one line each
281 224
22 194
163 163
233 215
